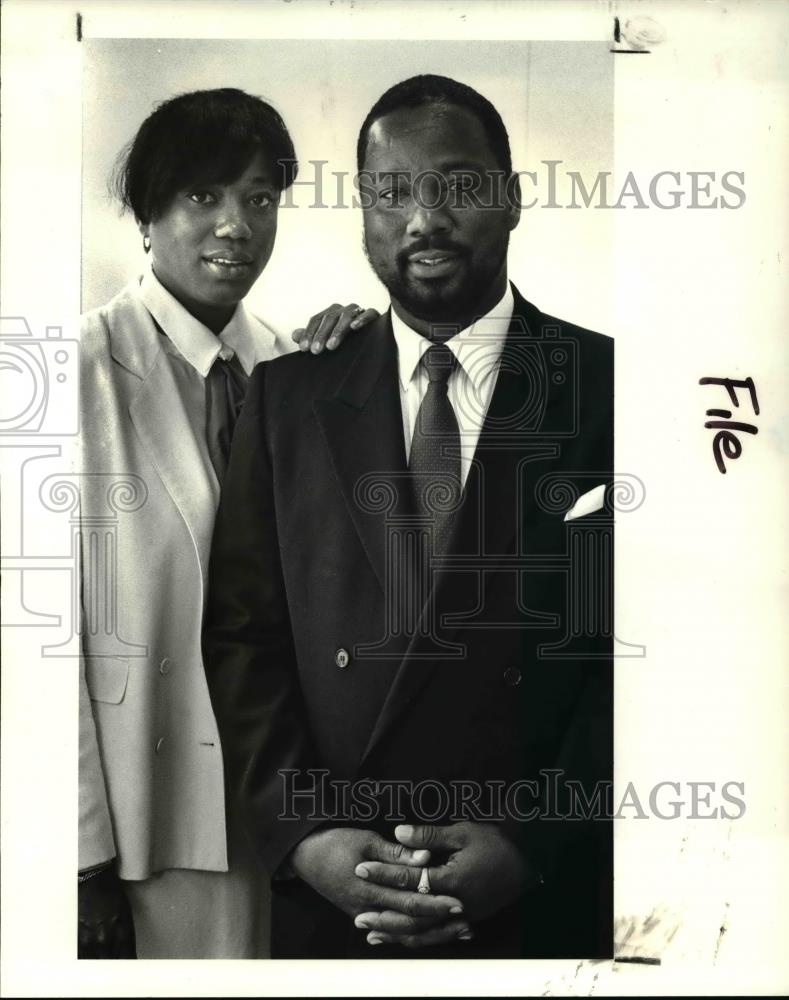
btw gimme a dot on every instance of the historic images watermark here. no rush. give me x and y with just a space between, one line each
551 186
314 795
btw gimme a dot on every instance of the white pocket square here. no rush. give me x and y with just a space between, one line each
587 504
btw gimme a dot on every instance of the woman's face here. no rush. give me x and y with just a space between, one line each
213 241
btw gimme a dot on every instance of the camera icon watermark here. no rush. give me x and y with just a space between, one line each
39 421
38 380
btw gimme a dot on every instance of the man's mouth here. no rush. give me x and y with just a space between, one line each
433 263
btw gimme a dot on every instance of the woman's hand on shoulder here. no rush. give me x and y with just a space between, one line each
331 326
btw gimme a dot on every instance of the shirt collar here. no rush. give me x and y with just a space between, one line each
198 345
477 348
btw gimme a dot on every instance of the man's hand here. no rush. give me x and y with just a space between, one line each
482 868
106 928
326 860
330 327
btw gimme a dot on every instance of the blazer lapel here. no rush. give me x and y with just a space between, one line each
161 422
362 425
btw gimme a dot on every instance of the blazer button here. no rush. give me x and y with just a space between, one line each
512 677
164 666
342 658
159 744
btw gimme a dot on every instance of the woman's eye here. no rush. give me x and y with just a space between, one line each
261 200
201 197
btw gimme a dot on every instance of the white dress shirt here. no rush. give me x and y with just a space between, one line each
192 348
470 387
195 343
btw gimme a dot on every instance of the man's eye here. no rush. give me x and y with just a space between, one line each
261 200
202 197
391 197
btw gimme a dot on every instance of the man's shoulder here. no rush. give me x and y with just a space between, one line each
540 323
591 352
317 375
596 341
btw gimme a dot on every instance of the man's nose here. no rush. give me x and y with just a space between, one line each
429 213
232 225
425 221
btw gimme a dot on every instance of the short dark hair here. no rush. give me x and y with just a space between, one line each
426 89
201 137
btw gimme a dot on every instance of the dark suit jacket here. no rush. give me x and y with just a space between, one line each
314 664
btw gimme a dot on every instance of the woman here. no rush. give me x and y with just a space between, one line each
163 371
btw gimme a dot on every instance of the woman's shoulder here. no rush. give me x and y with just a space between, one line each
124 301
267 342
98 324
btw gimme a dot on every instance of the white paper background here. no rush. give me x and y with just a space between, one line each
700 566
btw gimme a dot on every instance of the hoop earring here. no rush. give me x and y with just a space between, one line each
146 243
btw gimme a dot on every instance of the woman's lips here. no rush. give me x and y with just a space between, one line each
228 265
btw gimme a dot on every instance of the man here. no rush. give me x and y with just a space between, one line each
393 655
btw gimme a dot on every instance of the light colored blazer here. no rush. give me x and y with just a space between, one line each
151 789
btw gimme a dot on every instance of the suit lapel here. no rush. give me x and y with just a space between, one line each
490 521
161 422
362 425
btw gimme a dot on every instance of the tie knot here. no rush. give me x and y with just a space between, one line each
225 354
439 362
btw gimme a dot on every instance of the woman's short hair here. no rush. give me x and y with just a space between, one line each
202 137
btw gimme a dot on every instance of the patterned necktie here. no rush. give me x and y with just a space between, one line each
434 462
225 388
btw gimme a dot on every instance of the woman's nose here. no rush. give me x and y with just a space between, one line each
232 225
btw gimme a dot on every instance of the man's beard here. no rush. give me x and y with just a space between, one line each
440 301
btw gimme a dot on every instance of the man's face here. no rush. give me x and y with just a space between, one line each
440 252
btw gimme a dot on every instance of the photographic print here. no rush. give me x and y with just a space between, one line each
393 497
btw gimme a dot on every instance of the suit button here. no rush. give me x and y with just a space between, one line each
512 677
159 744
342 658
164 666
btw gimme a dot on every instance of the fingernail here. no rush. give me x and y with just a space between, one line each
355 324
465 935
316 346
404 831
374 940
456 909
361 871
304 346
331 343
361 924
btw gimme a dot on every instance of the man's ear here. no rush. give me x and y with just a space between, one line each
512 195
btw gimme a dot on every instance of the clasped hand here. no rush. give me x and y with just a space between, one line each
375 880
